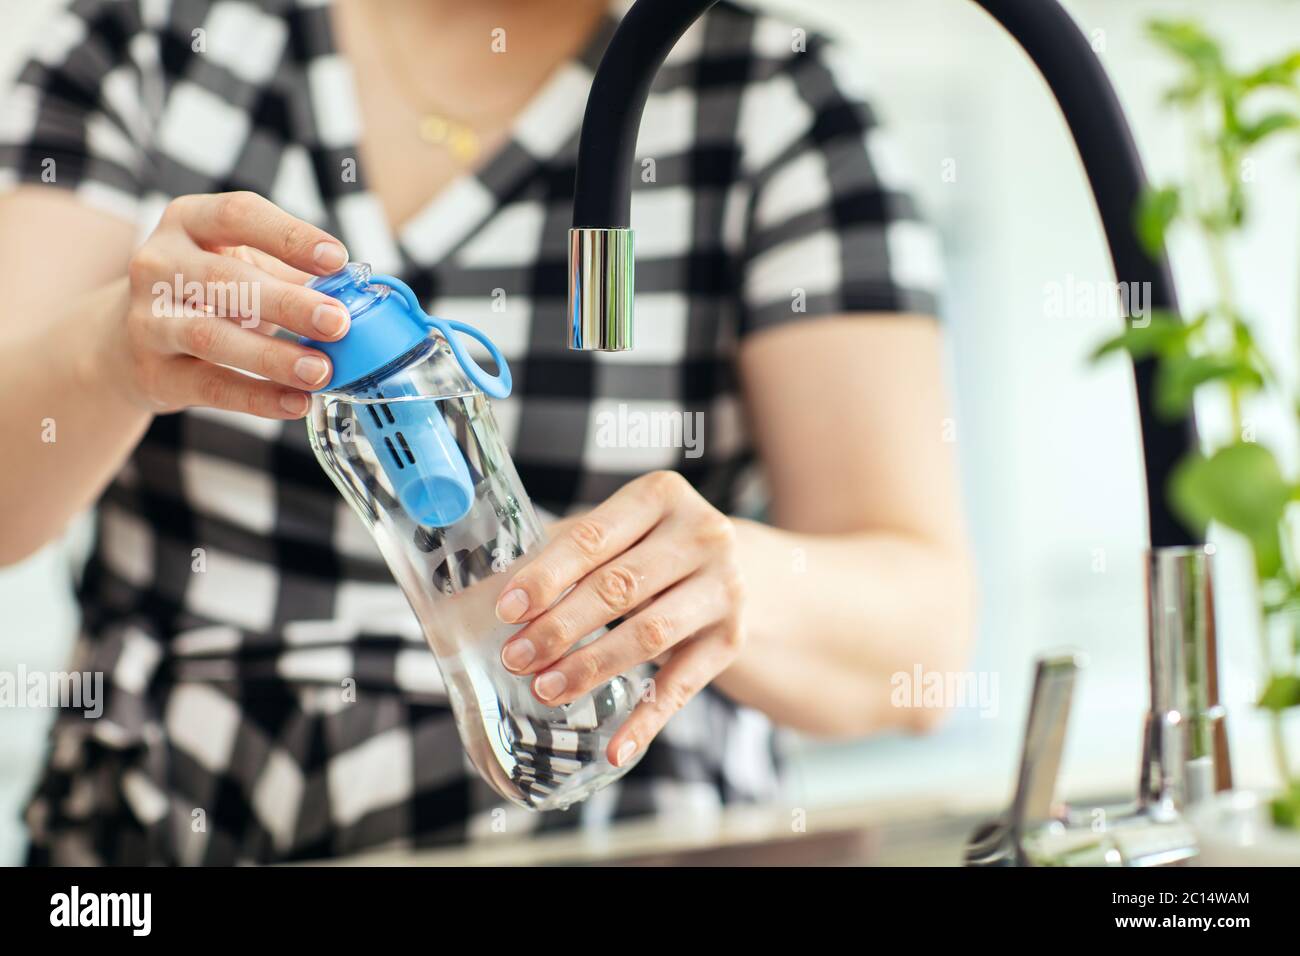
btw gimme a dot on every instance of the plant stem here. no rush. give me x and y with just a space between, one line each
1280 755
1277 734
1223 164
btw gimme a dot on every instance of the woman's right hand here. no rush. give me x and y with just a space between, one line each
249 259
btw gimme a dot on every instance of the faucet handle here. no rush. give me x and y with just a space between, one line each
1000 842
1045 727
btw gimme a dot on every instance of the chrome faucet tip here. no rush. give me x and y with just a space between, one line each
601 289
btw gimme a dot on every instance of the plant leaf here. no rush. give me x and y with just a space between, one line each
1279 74
1165 334
1156 209
1184 94
1239 486
1286 808
1180 375
1187 40
1282 692
1252 133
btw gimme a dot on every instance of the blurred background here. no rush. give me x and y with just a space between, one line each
1048 443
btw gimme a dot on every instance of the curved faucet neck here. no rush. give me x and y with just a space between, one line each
600 250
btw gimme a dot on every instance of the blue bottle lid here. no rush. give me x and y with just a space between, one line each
387 322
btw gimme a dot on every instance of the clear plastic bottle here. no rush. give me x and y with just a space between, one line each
405 430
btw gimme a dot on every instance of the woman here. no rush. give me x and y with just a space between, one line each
268 695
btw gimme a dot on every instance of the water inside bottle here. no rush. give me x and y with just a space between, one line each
535 755
542 757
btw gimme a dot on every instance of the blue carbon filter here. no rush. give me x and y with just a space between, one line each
419 454
404 425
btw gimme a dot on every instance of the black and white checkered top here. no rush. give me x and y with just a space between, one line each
268 694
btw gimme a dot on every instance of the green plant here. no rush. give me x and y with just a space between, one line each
1236 481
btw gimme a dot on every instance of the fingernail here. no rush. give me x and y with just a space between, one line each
295 403
311 369
329 320
330 255
512 605
518 654
625 751
550 685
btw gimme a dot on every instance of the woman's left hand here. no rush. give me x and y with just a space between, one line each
655 553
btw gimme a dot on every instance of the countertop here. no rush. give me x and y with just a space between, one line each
878 833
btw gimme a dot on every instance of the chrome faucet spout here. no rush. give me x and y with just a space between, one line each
602 274
1184 745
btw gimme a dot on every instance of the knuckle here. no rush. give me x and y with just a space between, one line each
269 363
284 302
233 209
224 270
543 580
588 537
653 635
296 238
175 210
253 400
588 668
226 210
220 290
215 390
617 588
733 585
144 265
672 696
200 335
733 636
665 485
552 634
715 530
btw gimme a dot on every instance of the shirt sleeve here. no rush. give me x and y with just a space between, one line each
829 227
75 116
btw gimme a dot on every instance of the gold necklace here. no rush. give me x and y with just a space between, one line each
460 138
434 127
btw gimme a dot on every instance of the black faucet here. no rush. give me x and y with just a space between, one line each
1185 746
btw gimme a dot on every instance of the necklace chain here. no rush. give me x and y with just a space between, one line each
435 127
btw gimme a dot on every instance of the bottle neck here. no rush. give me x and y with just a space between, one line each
351 285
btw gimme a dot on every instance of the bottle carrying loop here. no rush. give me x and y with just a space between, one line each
493 386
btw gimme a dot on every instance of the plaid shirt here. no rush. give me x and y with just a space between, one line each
268 694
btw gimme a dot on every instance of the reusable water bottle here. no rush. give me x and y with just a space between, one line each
405 431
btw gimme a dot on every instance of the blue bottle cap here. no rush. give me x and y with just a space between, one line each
387 321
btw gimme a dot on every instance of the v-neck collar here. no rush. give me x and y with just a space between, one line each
548 122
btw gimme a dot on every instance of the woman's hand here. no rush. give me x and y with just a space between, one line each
655 553
246 259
